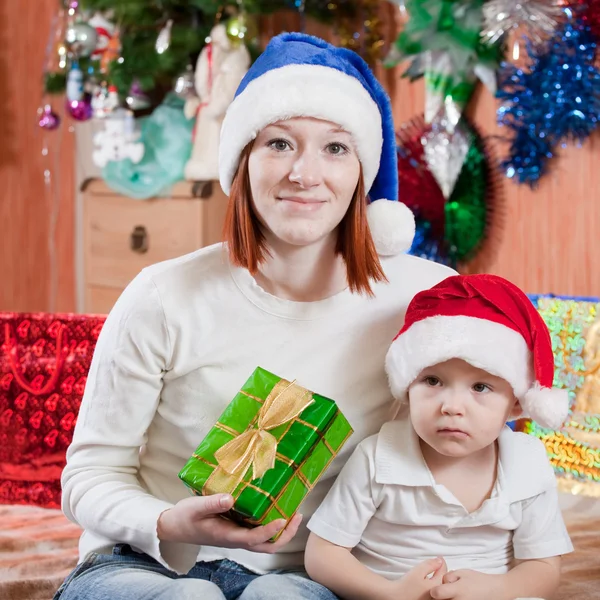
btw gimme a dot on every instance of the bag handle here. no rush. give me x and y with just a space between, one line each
13 360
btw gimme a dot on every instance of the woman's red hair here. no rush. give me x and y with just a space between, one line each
248 248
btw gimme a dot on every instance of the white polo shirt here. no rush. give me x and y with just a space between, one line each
386 505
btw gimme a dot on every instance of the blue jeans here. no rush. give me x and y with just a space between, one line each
128 575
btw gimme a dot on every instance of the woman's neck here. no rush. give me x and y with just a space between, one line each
302 273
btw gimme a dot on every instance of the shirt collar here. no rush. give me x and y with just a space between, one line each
399 461
398 456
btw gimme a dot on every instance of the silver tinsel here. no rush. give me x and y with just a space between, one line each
538 17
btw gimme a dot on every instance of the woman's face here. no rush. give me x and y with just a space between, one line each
303 173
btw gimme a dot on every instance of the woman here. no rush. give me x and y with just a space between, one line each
298 289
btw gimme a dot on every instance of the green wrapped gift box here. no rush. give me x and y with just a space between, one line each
273 428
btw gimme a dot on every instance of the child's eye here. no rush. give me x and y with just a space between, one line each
481 387
432 381
279 144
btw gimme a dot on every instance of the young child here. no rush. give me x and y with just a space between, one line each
452 481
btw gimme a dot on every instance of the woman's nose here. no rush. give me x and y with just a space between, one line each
306 171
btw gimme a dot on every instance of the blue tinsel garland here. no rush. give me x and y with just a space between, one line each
555 101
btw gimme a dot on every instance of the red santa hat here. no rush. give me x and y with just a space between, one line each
490 323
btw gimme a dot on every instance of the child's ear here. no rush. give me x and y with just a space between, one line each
516 411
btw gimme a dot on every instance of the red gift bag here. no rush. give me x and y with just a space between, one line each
44 362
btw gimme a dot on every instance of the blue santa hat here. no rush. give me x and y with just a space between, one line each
303 76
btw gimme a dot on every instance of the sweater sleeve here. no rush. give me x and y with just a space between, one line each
101 491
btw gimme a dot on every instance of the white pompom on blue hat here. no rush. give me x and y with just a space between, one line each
303 76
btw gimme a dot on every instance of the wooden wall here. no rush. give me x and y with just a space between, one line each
549 237
26 203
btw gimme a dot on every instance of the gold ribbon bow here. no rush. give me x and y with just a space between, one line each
256 447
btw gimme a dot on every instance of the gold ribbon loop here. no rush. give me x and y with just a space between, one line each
256 447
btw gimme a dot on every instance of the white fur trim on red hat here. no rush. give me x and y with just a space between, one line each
484 344
392 226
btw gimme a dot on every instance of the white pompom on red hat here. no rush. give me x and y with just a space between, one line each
490 323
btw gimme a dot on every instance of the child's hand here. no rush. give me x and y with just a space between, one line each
469 585
420 580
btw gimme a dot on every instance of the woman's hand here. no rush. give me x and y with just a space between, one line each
198 521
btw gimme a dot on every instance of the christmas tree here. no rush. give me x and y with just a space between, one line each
150 43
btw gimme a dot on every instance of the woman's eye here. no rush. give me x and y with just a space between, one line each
279 145
481 387
337 149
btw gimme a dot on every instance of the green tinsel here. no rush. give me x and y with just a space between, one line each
467 208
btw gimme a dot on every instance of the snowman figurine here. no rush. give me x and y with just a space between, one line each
219 70
118 140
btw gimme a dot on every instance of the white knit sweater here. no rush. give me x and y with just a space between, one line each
179 343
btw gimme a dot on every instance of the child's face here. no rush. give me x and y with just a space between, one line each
457 409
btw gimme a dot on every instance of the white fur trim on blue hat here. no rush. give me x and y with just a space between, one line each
392 226
302 90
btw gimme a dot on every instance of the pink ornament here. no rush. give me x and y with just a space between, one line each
48 118
80 110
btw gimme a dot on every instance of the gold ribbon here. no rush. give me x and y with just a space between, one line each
256 447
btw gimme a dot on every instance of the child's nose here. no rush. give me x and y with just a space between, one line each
453 403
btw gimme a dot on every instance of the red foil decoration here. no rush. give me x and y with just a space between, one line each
590 12
418 188
44 361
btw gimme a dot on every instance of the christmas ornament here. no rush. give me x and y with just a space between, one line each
48 118
118 141
241 28
420 192
219 70
442 39
80 110
62 54
444 26
112 101
163 41
451 231
184 84
538 17
75 83
112 51
98 101
136 98
557 100
81 39
446 145
105 29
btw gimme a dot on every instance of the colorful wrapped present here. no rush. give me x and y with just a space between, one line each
574 450
268 449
